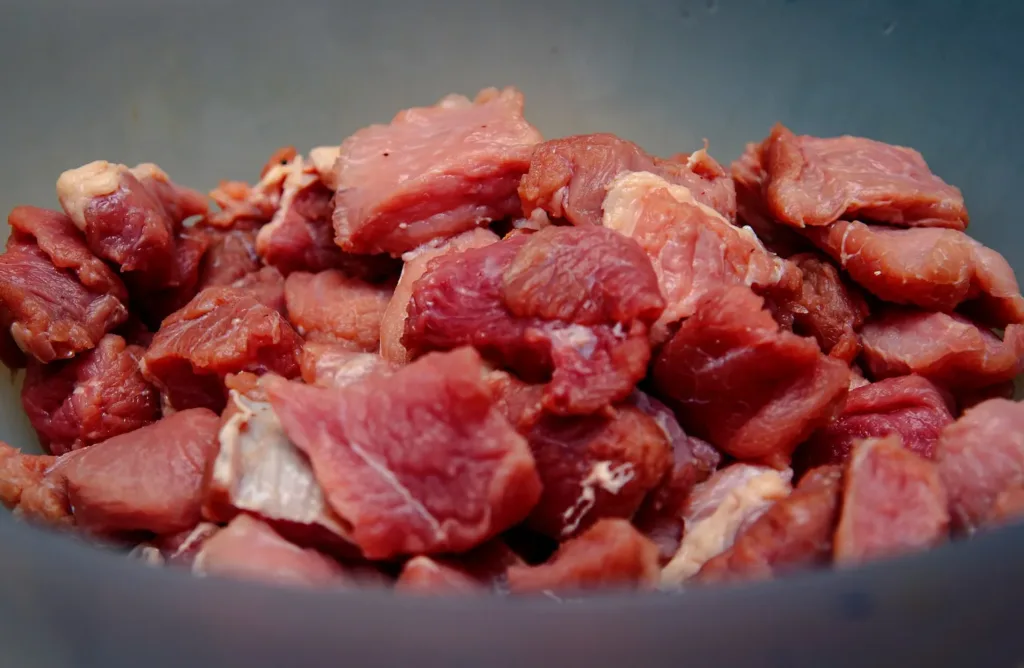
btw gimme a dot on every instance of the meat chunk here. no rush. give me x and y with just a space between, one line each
748 176
155 301
221 331
934 269
89 399
230 257
27 490
419 462
947 349
569 305
794 533
609 554
267 286
893 503
179 202
692 247
746 387
475 571
910 406
245 207
569 177
392 324
250 550
981 456
336 365
177 549
732 499
816 181
332 307
433 172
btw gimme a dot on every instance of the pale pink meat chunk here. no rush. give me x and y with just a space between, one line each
337 365
332 307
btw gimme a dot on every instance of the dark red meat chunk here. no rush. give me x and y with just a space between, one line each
909 406
89 399
433 172
335 308
154 302
746 387
230 257
419 462
609 554
179 202
568 177
337 365
893 502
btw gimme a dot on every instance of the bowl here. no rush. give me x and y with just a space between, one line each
208 89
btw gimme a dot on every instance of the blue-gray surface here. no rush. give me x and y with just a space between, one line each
208 88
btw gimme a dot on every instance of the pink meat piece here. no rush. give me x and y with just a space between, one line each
332 307
816 181
89 399
571 306
337 365
230 257
181 548
893 502
27 490
692 247
910 406
221 331
934 269
748 176
478 570
392 324
419 462
609 554
743 385
793 533
250 550
949 350
980 456
569 177
179 202
433 172
267 286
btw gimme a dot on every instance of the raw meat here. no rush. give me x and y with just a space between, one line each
746 387
815 181
794 533
26 489
748 176
267 286
245 207
433 172
221 331
947 349
979 457
89 399
230 257
1008 508
177 549
334 308
423 575
179 202
609 554
894 502
475 571
732 499
419 462
336 365
909 406
594 348
392 324
692 247
250 550
154 302
569 177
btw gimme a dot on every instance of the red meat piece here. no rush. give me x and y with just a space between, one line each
433 172
154 302
568 177
230 257
245 207
333 307
609 554
89 399
980 456
336 365
419 462
582 316
815 181
909 406
748 176
476 571
267 286
947 349
179 202
746 387
221 331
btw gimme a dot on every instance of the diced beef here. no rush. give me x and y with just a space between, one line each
692 247
893 502
392 324
569 305
154 302
433 172
910 406
419 462
947 349
27 490
335 308
267 286
179 202
981 456
230 257
569 177
816 181
793 533
746 387
221 331
748 175
732 499
89 399
609 554
337 365
478 570
250 550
